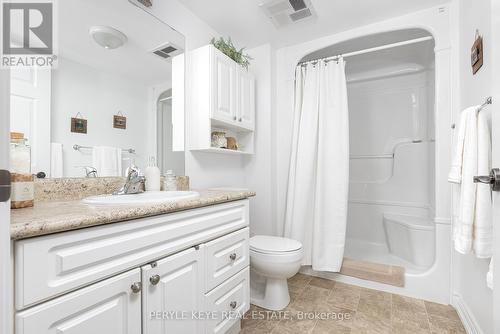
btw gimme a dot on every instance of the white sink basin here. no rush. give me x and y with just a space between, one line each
148 197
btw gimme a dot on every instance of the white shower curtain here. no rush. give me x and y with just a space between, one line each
318 180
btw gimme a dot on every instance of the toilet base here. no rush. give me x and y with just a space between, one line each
276 296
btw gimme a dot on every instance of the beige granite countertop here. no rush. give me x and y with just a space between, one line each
58 216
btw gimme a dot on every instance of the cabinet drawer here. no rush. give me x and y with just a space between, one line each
228 302
226 256
109 306
51 265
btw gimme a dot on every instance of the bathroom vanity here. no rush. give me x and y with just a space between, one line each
172 268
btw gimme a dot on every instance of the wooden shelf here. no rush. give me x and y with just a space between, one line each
222 151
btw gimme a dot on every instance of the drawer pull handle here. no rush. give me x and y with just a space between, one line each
232 256
233 305
136 287
155 279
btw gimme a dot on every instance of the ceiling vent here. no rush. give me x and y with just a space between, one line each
167 51
145 3
284 12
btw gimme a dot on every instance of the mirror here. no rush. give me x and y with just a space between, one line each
116 97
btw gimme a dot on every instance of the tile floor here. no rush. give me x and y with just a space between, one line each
347 309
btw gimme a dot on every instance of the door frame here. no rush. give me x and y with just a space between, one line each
5 248
495 55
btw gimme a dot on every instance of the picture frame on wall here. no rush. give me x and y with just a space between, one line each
477 53
78 124
119 122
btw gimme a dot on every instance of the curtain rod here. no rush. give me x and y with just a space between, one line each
377 48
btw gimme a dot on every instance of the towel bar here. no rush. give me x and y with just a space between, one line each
78 147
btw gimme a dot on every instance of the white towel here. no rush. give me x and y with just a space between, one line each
489 276
472 221
107 161
483 220
466 170
56 160
455 175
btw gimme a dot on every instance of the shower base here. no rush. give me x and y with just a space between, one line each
375 272
378 253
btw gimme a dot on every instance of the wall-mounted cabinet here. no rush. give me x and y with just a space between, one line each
223 94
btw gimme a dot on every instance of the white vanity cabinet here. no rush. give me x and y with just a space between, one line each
109 306
164 274
173 285
223 94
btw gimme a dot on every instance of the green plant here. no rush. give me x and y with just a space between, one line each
228 48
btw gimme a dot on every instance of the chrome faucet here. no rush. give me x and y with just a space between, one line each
90 171
134 184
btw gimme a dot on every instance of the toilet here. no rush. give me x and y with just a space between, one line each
272 261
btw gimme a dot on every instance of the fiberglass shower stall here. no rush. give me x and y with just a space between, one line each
391 92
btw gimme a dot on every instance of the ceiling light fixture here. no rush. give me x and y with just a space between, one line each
107 37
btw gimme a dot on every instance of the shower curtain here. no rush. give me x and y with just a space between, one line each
318 180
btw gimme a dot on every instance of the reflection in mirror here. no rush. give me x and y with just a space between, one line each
115 99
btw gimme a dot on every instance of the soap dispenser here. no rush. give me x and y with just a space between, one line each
152 175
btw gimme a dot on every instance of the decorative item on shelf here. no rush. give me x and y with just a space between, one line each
23 195
227 48
232 143
477 53
119 121
78 124
219 139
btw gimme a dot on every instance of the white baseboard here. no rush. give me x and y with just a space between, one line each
468 320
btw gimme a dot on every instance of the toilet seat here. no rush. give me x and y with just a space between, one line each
266 244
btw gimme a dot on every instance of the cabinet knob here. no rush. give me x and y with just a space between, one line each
232 256
234 118
136 287
233 304
155 279
240 119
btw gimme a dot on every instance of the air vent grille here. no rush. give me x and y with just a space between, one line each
300 15
285 12
161 54
297 4
146 3
167 50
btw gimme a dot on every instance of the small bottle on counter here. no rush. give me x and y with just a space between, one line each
23 188
152 175
170 181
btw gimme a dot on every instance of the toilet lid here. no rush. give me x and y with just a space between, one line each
270 244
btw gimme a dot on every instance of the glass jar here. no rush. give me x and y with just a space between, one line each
20 154
20 168
170 182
